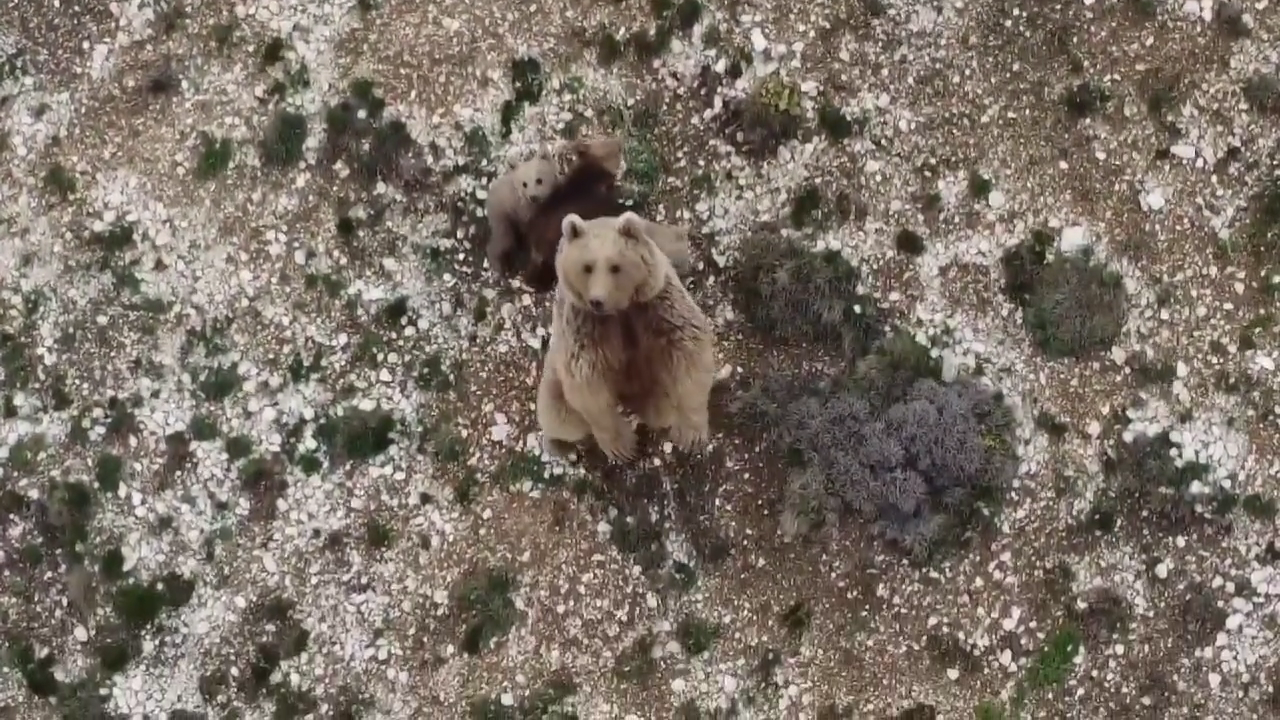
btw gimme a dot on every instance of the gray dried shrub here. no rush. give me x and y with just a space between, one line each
891 445
1071 305
802 297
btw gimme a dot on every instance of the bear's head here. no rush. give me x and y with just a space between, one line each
535 177
608 264
605 152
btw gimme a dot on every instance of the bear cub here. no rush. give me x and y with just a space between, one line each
516 194
624 331
590 191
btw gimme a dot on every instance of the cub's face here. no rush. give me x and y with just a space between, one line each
535 178
603 262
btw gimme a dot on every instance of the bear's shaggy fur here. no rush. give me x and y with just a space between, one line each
590 191
624 331
515 194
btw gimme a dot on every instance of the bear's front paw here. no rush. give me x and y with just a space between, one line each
619 447
689 437
561 449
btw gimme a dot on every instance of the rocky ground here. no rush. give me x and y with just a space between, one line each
268 447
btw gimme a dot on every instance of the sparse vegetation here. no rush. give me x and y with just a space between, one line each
269 423
1262 233
357 436
527 86
1071 305
1085 99
980 186
805 206
1262 94
1152 488
223 33
285 140
60 181
765 120
798 296
909 242
696 635
484 606
835 123
376 147
1056 659
551 700
215 156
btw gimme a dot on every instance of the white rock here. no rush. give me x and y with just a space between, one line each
1073 239
1186 152
499 433
1234 621
1260 577
1214 680
996 200
81 633
1154 201
1162 570
953 673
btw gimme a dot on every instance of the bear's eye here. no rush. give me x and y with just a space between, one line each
588 268
615 269
525 183
538 181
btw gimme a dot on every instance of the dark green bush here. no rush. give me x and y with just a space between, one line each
1071 305
803 297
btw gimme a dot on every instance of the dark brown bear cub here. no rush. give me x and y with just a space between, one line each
589 191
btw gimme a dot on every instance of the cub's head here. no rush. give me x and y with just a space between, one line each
535 178
607 264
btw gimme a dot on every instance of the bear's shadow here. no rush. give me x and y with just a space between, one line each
653 500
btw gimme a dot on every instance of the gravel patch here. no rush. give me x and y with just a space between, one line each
267 433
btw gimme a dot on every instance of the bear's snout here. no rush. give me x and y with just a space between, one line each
596 306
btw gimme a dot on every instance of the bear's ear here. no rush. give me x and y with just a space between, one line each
572 227
630 226
545 152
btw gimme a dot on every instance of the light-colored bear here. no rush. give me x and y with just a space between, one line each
515 194
624 331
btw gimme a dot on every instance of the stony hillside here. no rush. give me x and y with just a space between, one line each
995 285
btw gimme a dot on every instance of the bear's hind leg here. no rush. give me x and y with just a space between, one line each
690 426
561 425
503 240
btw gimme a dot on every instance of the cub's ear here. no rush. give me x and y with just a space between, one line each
572 227
545 152
631 226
